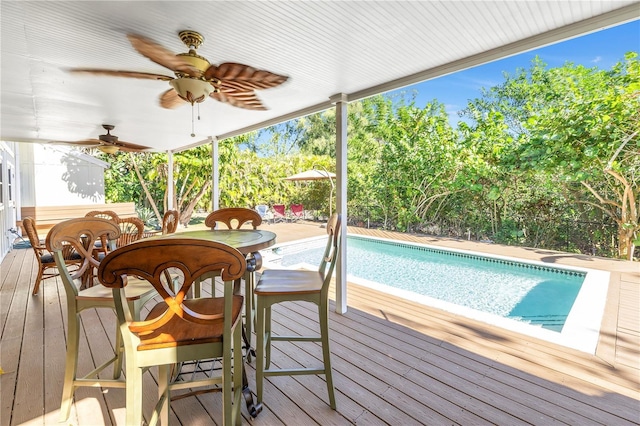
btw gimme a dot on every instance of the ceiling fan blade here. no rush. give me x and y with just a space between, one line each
240 99
116 73
170 99
161 55
244 77
86 143
130 147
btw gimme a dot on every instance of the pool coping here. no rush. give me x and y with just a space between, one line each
581 330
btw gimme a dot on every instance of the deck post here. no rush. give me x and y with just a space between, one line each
215 174
340 101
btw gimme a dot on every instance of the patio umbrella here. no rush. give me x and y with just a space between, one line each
315 174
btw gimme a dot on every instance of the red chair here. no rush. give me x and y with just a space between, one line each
279 213
297 211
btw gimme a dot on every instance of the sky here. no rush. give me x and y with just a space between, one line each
602 49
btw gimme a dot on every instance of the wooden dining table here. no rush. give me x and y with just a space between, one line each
246 241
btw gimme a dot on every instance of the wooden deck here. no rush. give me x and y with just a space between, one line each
395 362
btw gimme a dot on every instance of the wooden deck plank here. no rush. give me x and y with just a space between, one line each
500 343
395 362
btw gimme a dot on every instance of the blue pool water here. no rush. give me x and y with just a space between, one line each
535 294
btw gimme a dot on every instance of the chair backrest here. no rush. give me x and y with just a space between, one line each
80 234
331 251
150 259
297 210
131 229
279 210
170 221
29 225
262 210
104 214
233 218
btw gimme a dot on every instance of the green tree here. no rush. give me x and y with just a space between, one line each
417 162
585 130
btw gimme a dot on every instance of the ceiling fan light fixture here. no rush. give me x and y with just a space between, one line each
192 90
108 149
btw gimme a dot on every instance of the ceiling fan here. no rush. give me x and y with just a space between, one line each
195 78
108 143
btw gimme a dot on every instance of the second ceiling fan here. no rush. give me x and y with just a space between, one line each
109 144
195 78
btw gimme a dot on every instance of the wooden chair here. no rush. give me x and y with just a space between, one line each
47 267
235 218
177 329
101 246
104 214
81 235
170 222
278 286
131 230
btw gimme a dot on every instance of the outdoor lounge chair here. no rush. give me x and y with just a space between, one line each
279 213
263 211
297 211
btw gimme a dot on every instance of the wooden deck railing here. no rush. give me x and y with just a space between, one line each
47 216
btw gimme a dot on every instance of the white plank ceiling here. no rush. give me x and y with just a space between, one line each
356 48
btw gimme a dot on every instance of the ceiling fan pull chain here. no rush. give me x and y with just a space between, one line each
193 131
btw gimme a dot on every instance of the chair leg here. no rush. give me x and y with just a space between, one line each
227 392
119 349
36 285
260 342
196 287
267 334
71 364
326 353
133 399
238 365
249 308
164 397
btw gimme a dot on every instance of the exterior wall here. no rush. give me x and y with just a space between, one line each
44 175
8 202
54 175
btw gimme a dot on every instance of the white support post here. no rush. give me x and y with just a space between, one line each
341 199
170 184
215 175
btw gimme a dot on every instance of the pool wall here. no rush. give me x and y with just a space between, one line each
581 330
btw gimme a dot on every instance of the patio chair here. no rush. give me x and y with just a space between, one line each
81 235
131 230
297 212
170 222
234 218
103 214
263 211
47 267
176 329
279 213
286 285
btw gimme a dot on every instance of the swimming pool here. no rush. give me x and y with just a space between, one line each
556 303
